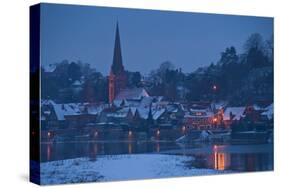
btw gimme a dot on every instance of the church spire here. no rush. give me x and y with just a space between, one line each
117 77
117 65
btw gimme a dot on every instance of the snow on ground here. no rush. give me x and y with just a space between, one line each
119 167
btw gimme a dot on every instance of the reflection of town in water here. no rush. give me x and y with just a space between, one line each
217 158
240 162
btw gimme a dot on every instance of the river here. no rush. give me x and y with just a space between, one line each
240 158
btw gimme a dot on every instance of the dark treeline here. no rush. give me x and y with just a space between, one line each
238 78
78 82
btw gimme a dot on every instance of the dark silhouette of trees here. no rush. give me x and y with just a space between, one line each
237 78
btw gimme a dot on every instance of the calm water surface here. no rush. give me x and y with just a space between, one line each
241 158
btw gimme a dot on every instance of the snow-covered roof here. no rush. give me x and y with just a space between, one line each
143 112
77 83
135 93
117 102
258 107
50 67
117 115
157 113
95 109
72 109
237 113
122 113
130 103
219 105
146 101
173 107
269 111
127 109
57 108
198 110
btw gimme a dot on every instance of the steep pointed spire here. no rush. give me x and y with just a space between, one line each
117 65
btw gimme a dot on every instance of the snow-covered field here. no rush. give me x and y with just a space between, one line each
119 167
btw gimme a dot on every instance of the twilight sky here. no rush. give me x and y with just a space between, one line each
148 37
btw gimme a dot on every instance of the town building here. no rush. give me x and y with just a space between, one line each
117 79
232 115
199 116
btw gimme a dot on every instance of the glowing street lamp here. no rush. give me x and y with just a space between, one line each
49 134
96 133
214 87
130 133
183 129
158 132
215 120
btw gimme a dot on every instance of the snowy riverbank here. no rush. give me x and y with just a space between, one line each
119 167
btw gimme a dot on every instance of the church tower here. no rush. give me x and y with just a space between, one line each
117 77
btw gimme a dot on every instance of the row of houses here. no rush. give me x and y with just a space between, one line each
134 108
221 115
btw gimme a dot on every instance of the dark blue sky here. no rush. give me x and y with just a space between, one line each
188 40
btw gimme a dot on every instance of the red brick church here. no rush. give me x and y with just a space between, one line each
117 77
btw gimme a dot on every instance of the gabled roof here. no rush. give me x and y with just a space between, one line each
237 113
73 109
77 83
143 112
219 105
156 113
133 94
50 68
269 111
95 109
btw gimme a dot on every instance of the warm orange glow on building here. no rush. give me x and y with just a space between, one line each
215 120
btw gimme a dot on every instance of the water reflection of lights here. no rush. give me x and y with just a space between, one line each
130 135
221 159
130 147
95 148
220 163
157 147
49 151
